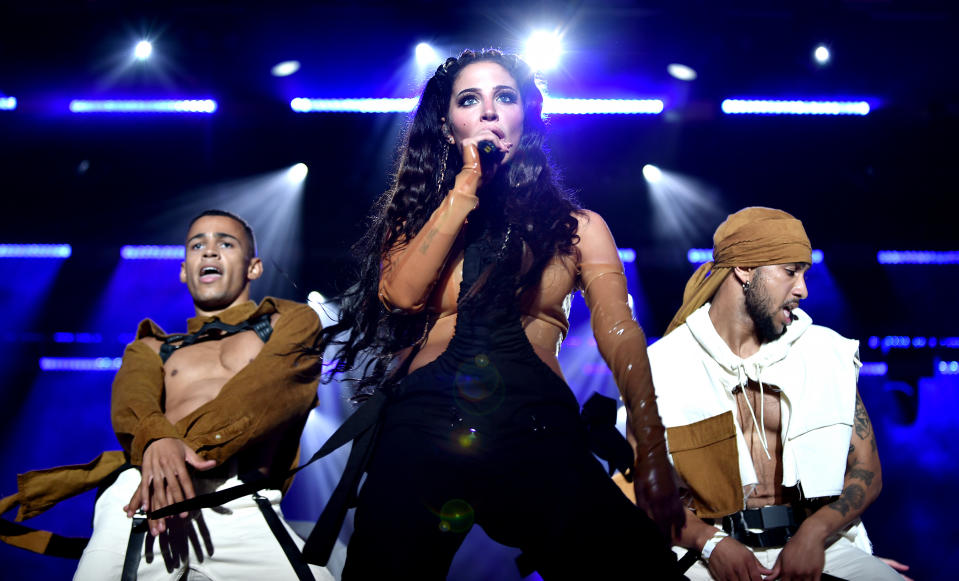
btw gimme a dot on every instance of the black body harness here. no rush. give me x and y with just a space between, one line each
212 331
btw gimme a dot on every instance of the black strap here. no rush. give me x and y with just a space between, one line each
260 325
138 533
599 416
303 572
687 560
361 422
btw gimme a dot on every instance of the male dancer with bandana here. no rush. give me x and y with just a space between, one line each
765 425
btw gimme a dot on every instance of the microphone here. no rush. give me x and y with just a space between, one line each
489 154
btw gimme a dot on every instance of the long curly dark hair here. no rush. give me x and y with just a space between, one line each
367 336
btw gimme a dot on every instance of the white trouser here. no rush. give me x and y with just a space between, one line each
843 559
232 541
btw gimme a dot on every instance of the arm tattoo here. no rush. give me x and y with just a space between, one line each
852 498
861 474
862 424
432 234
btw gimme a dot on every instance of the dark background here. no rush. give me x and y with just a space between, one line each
860 184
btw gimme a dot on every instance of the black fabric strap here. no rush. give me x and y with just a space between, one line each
303 572
687 560
138 533
260 325
599 416
360 423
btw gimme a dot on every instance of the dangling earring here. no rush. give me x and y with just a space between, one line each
442 178
746 287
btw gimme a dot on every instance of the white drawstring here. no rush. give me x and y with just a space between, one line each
759 427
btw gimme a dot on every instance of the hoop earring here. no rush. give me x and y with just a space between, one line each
442 172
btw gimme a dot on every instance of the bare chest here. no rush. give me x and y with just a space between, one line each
210 361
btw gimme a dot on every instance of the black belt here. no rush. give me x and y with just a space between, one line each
769 526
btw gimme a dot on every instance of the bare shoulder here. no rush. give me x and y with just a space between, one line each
589 220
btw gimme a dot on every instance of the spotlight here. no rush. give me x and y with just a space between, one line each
543 50
143 50
425 55
315 297
285 68
821 54
681 72
652 173
298 172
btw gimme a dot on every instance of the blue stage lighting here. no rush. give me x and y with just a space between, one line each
874 369
917 257
681 72
564 106
627 255
35 250
297 173
142 50
948 367
426 55
543 50
8 103
285 68
821 54
701 255
207 106
793 107
303 105
153 252
652 174
80 363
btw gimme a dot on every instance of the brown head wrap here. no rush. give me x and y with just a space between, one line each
751 237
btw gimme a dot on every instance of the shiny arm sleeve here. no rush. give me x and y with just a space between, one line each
136 402
411 269
622 344
276 388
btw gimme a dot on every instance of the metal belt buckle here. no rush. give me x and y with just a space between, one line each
776 516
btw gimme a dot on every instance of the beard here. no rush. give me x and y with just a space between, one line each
759 308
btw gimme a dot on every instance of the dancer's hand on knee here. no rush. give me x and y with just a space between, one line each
165 478
732 561
803 557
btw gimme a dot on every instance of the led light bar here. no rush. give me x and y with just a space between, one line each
304 105
153 252
906 342
948 368
554 106
35 250
793 107
917 257
701 255
8 103
80 363
563 106
208 106
874 369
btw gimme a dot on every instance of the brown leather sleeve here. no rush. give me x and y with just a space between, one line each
410 269
136 403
